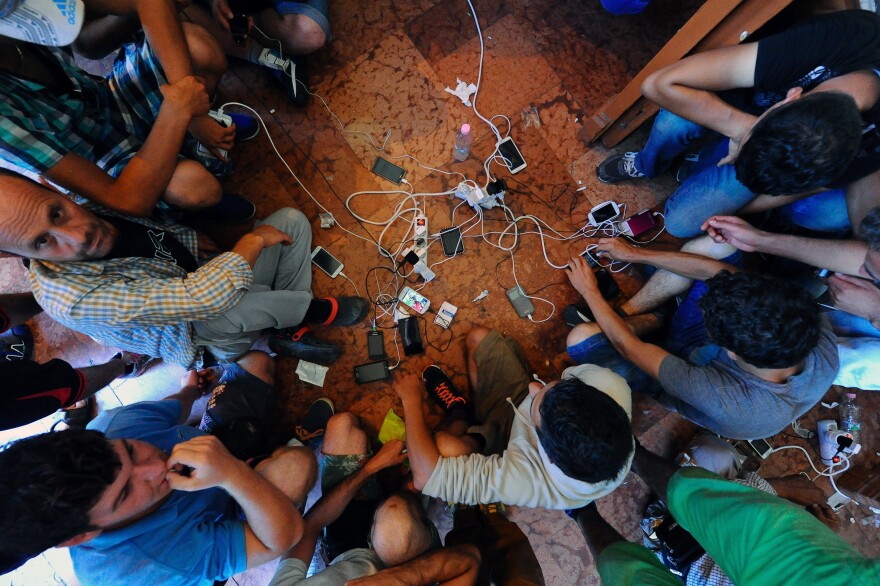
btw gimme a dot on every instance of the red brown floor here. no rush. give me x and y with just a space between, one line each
546 64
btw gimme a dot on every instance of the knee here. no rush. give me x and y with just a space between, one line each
342 425
293 470
680 225
474 338
581 332
193 187
206 52
308 34
259 364
705 246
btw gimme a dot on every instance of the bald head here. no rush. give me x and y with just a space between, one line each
401 530
38 223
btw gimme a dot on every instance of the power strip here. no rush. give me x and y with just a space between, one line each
420 237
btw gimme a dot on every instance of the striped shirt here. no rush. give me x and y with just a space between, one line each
105 121
143 305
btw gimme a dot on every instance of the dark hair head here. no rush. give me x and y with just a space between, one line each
802 145
48 485
767 321
584 431
869 229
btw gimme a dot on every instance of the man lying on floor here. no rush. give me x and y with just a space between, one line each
139 493
139 284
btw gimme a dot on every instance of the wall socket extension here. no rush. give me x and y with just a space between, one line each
420 237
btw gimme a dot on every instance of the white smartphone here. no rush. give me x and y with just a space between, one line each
511 155
326 262
414 300
603 212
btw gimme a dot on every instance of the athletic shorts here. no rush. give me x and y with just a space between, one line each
32 391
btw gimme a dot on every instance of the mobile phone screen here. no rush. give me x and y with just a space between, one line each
367 373
512 157
326 262
604 213
414 300
451 240
389 171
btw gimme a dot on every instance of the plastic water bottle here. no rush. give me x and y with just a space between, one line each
463 141
850 416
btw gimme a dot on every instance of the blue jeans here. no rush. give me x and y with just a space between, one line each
712 190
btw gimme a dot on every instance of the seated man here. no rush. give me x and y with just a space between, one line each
276 34
362 535
141 494
745 353
853 287
32 390
755 537
137 284
118 141
797 130
557 446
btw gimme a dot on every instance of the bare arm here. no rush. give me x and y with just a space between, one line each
646 356
104 34
273 524
842 256
422 449
686 264
146 177
687 88
332 504
450 566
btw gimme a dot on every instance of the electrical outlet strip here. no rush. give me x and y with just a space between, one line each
420 237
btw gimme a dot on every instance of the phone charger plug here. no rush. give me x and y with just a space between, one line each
424 271
411 257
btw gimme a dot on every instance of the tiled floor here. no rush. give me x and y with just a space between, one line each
545 65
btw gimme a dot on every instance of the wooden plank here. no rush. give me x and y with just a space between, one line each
745 19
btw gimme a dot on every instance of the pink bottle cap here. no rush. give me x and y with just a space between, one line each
465 128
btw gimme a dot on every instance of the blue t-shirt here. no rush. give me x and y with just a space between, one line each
194 538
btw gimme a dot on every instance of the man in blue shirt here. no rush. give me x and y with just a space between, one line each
151 496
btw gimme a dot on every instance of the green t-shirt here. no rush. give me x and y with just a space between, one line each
755 537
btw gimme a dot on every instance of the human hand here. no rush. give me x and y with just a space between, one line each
582 277
206 245
734 231
200 463
856 296
391 454
222 13
410 389
618 249
270 235
187 96
213 135
204 380
825 514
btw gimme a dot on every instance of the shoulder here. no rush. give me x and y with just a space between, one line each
137 420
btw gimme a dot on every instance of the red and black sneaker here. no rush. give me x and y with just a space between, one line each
441 390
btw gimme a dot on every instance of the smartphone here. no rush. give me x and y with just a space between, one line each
511 155
413 300
238 27
607 285
761 447
326 262
388 171
521 303
638 224
589 255
603 212
371 371
375 344
451 240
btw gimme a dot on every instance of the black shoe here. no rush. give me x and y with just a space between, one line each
232 209
311 430
16 343
618 168
302 344
573 315
441 390
686 169
347 311
294 80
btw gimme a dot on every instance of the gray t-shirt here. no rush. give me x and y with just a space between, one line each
733 403
353 564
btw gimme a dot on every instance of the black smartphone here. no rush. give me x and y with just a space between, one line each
376 344
371 371
238 27
588 255
451 240
388 171
607 285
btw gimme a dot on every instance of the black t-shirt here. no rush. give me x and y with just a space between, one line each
137 240
814 51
